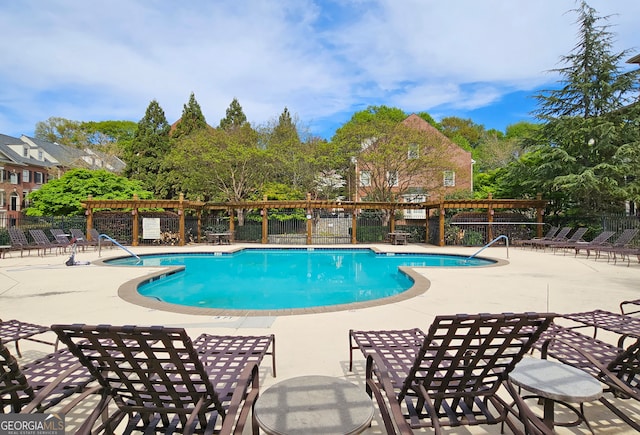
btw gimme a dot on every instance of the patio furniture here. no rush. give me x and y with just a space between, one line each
41 384
12 331
598 240
635 307
620 243
560 237
161 382
548 236
20 243
451 375
308 405
219 238
237 348
576 237
616 367
61 238
41 239
95 238
625 326
399 238
553 382
81 239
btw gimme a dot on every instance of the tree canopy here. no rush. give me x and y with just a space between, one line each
145 154
191 120
581 160
63 197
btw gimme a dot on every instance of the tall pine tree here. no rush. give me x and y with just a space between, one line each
581 168
150 144
234 118
191 120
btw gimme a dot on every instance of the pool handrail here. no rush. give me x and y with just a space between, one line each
501 236
104 236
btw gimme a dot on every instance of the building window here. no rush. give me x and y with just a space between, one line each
40 155
14 204
13 178
365 178
449 178
25 176
413 152
392 178
38 177
3 198
25 152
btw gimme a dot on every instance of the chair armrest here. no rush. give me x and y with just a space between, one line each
43 393
531 422
242 400
396 416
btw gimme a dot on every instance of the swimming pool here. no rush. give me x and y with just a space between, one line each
284 279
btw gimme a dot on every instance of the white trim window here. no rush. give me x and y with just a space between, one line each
414 151
392 178
38 177
13 177
25 176
3 198
365 178
449 178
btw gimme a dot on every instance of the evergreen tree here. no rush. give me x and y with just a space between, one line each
234 118
191 120
578 163
145 153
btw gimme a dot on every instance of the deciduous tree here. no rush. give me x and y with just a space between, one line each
63 196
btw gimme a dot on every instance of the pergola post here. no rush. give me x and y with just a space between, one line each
136 221
354 225
441 225
181 221
539 217
265 223
232 224
309 220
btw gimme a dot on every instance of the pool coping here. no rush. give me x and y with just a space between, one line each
129 290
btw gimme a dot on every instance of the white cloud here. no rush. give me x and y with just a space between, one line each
321 59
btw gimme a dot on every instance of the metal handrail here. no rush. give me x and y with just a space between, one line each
104 236
501 236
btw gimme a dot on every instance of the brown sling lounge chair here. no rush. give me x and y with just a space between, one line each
451 375
576 237
20 243
617 367
558 238
598 240
41 239
548 236
161 382
16 330
620 243
41 384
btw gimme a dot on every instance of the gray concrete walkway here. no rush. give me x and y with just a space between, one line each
43 290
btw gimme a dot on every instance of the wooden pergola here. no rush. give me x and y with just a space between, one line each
181 205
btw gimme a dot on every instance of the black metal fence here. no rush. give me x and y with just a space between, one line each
290 226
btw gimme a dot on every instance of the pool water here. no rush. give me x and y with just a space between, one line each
268 279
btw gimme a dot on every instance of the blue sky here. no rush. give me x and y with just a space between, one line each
322 59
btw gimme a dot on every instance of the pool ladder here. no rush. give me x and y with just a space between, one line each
502 236
104 236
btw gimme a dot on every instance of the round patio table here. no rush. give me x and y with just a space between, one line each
554 382
309 405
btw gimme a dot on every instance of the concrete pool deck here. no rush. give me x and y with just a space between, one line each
43 290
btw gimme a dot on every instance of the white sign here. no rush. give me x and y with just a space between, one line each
151 228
